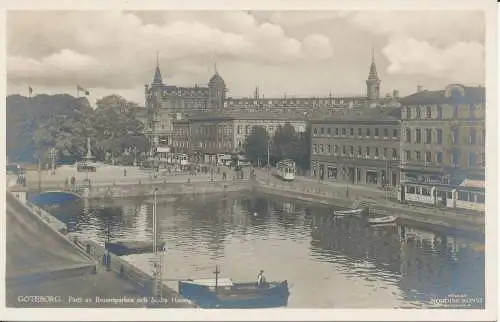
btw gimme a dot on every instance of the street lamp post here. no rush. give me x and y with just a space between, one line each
156 260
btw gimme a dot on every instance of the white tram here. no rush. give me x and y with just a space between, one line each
470 194
285 169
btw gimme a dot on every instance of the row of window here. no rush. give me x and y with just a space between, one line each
474 160
360 151
212 144
427 111
343 132
292 102
471 139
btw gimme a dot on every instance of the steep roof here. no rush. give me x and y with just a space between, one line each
359 114
455 94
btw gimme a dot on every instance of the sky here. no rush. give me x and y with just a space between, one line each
300 53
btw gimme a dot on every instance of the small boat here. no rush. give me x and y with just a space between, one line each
131 247
382 220
224 294
350 212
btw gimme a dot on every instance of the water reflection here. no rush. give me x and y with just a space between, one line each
329 261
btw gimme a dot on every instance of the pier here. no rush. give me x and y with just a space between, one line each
46 267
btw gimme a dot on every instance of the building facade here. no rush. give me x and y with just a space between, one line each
357 146
166 103
443 144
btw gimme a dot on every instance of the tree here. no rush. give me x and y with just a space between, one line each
284 143
256 144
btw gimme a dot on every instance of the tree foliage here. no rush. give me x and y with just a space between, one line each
256 144
35 125
289 144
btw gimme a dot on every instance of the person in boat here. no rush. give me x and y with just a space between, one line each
261 280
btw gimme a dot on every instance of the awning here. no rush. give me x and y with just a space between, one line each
469 183
163 149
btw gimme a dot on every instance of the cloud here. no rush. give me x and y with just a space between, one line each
117 49
439 44
455 62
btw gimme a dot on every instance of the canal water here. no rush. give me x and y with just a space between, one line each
329 262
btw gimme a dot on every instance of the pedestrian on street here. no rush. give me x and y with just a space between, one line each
124 172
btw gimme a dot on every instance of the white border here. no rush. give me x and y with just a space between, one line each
491 11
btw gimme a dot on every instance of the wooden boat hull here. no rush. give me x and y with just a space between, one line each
126 248
383 220
344 213
238 296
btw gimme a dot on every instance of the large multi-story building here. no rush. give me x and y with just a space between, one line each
359 146
213 134
166 103
443 146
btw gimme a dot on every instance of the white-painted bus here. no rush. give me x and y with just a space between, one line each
285 169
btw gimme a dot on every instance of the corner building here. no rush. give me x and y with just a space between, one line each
357 146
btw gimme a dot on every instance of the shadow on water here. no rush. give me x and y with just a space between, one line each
247 231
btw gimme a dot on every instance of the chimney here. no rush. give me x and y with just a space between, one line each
395 93
420 88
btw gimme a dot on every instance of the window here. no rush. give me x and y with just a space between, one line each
351 150
367 151
426 191
472 159
428 112
239 130
394 134
408 113
315 148
359 151
428 136
455 159
472 136
455 111
439 112
376 152
329 149
351 131
322 131
394 154
386 133
408 155
480 198
482 159
454 136
417 155
360 132
368 132
337 131
344 150
439 157
344 131
439 136
376 132
428 156
321 148
472 111
418 112
335 149
418 136
329 131
408 135
385 153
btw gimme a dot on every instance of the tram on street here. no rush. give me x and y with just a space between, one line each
286 169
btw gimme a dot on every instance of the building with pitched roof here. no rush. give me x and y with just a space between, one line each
443 144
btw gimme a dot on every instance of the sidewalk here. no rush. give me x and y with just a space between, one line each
361 194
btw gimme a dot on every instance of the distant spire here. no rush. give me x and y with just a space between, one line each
373 68
215 68
157 79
